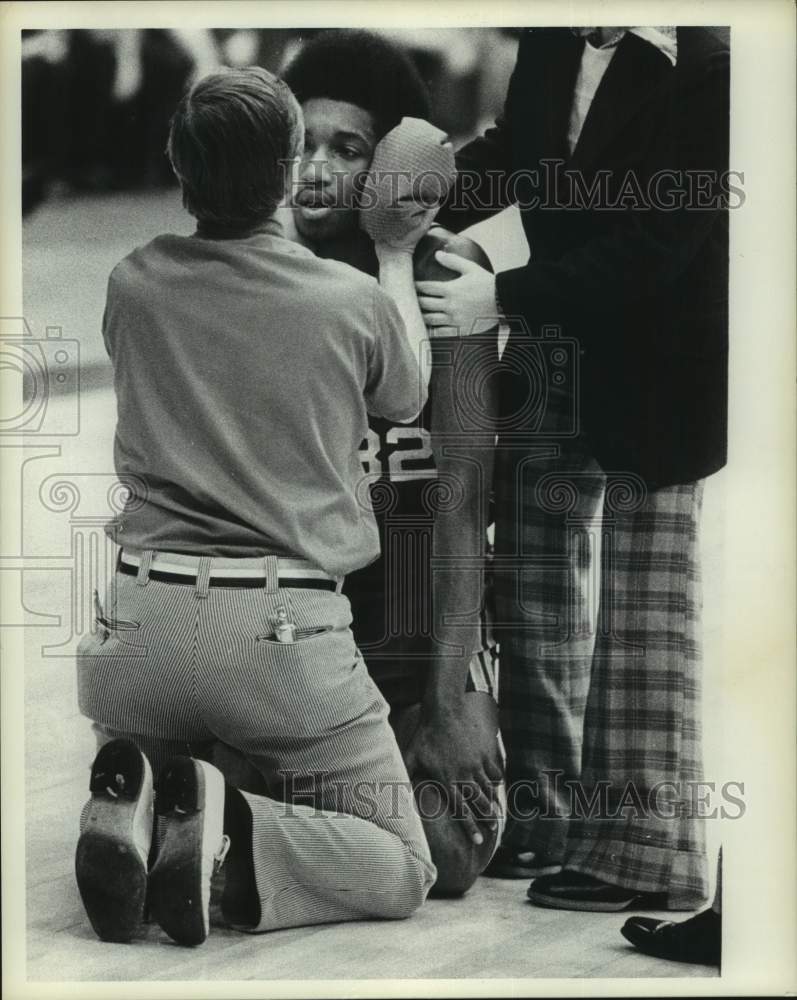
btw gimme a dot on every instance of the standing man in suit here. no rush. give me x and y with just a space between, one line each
614 143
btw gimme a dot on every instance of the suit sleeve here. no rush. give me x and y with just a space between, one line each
646 249
482 187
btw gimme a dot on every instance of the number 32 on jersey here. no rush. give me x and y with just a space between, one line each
398 453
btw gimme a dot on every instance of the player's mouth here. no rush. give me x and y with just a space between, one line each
313 204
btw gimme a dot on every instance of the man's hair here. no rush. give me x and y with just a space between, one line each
229 142
361 68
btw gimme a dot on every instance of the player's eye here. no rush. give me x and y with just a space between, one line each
349 152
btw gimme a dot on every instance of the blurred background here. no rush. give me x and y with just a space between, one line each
96 103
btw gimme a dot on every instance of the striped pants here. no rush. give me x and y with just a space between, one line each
176 667
598 606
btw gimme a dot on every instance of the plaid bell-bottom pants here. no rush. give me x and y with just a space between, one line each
598 614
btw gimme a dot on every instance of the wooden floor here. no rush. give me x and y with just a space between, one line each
493 933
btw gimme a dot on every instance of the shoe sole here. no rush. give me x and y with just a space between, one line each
111 874
188 809
558 903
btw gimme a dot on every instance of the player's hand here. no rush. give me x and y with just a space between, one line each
463 306
414 224
394 214
458 749
410 174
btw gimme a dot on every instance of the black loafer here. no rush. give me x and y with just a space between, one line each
697 940
511 862
113 849
190 808
573 891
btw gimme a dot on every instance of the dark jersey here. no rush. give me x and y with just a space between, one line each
391 598
401 453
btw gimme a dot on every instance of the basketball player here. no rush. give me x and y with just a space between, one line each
428 480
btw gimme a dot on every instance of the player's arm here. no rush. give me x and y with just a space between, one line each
410 171
456 737
397 279
463 427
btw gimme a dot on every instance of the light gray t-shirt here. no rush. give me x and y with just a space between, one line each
243 371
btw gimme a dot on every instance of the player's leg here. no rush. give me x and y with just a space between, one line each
458 861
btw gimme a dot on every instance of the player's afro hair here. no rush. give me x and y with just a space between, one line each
362 68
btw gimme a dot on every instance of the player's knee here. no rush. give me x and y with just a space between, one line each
454 878
459 862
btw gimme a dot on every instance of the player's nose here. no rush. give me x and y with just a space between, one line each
314 169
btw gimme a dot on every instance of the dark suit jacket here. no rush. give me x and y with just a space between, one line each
641 288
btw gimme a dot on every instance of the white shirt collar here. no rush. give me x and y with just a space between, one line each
664 38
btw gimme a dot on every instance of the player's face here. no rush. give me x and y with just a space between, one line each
339 140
